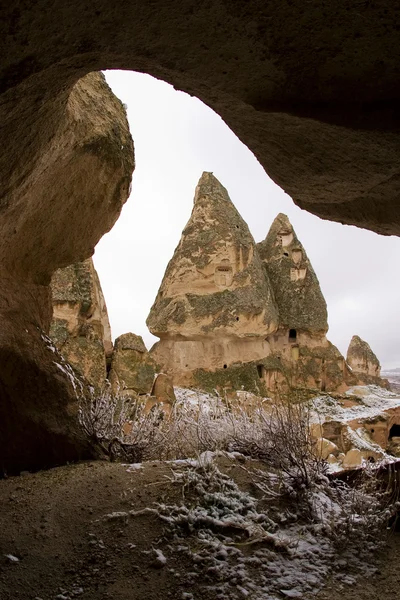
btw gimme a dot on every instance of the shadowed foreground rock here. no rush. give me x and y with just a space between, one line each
74 195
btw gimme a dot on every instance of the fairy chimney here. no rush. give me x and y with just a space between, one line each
214 306
361 358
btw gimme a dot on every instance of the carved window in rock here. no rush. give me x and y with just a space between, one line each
297 274
223 275
261 371
394 431
292 336
285 238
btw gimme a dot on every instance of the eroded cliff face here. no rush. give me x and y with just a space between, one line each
53 216
80 326
132 368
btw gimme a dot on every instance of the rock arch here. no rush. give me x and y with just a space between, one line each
312 90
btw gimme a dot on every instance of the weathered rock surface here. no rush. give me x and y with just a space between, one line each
132 368
295 285
71 189
80 327
309 359
214 306
361 358
214 284
311 89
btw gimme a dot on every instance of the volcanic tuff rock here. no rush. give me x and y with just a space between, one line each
361 358
132 368
80 327
214 283
311 88
293 280
54 212
227 319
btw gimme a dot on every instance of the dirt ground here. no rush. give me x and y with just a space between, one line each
56 543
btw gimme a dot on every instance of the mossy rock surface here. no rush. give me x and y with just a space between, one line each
215 232
300 301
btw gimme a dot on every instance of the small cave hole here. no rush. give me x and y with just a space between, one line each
260 371
225 366
286 254
394 431
372 430
237 318
292 335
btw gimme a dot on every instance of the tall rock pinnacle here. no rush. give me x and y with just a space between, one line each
296 287
362 359
215 282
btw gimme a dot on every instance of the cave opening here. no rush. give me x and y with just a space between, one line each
292 335
394 431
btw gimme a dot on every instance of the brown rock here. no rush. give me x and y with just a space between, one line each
132 368
214 307
80 327
69 192
352 459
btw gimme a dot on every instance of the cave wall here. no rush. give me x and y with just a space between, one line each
311 88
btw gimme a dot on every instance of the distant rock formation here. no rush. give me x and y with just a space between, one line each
231 314
306 356
80 327
214 307
132 368
364 362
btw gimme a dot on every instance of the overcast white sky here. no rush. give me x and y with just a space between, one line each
176 138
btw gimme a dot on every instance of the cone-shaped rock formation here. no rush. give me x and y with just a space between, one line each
215 307
233 314
362 359
214 283
294 282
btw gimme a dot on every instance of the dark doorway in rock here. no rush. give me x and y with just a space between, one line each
394 431
292 335
261 371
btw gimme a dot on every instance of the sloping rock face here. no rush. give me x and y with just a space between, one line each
364 363
311 88
54 212
132 368
80 327
307 357
214 306
296 287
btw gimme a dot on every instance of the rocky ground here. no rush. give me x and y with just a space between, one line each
91 531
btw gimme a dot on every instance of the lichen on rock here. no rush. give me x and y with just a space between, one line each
215 282
80 327
296 287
